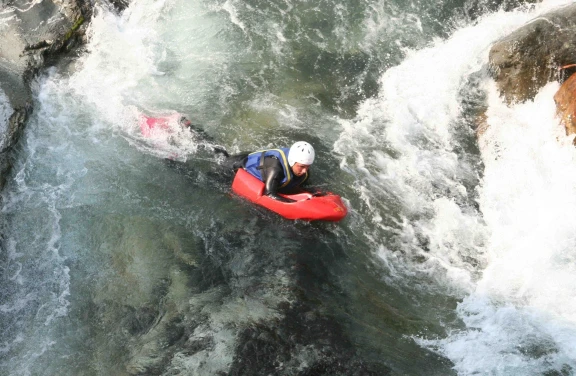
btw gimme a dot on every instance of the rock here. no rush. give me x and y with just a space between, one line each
565 99
529 58
36 34
120 5
14 126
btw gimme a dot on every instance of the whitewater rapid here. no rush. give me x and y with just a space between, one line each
506 248
128 252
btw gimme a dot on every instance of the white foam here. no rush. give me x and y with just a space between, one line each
518 296
415 116
521 316
137 62
122 52
229 7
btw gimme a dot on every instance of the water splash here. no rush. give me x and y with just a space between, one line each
402 148
510 260
520 316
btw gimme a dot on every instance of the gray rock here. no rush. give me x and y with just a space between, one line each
32 35
529 58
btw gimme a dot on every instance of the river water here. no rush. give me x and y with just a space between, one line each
127 255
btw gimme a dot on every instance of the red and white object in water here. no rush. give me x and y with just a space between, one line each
149 125
308 207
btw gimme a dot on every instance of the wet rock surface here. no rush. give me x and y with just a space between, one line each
565 99
33 36
530 57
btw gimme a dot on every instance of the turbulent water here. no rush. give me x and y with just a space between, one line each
127 255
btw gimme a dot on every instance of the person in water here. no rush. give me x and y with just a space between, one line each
282 170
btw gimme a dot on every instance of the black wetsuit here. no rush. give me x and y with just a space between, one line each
272 174
271 169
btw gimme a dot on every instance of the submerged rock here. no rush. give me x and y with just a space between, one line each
526 60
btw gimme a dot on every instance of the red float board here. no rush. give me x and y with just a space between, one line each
328 207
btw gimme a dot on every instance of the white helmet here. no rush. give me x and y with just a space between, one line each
301 152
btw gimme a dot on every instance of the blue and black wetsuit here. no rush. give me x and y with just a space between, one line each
270 166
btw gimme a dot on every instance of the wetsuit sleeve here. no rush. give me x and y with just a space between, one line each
272 175
236 161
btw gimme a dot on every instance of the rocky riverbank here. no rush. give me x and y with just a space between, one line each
540 52
33 36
